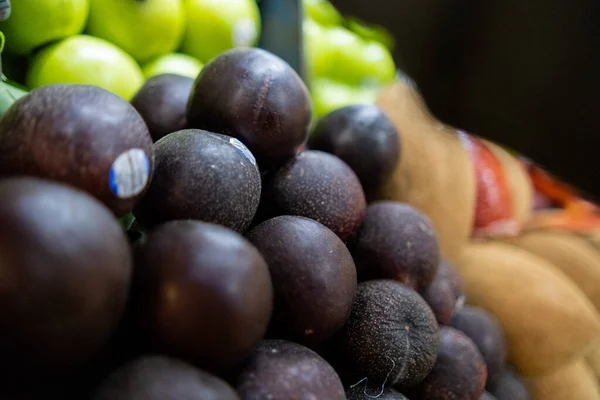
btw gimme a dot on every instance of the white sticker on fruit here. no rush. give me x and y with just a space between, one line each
243 149
129 173
4 10
244 33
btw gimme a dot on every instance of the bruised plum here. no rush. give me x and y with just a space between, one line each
364 137
157 377
282 370
445 294
254 96
396 241
486 332
392 335
313 274
459 371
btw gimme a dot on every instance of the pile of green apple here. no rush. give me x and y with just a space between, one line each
119 44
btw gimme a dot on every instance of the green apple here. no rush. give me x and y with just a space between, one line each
214 26
328 95
33 23
86 60
173 63
322 12
316 50
144 28
375 65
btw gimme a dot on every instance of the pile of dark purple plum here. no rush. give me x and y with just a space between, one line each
196 244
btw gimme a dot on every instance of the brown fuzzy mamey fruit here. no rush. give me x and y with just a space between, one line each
364 137
445 294
543 303
572 381
396 241
203 176
158 378
391 335
486 332
573 255
593 359
80 135
162 102
313 275
209 272
510 386
66 265
446 195
282 370
320 186
256 97
459 371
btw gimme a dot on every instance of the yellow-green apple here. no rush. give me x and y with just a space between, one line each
173 63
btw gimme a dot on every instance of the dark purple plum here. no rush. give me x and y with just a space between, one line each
282 370
202 176
322 187
363 391
313 274
510 386
445 294
396 241
202 293
364 137
257 97
162 103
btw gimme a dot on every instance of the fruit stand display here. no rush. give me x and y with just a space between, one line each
193 207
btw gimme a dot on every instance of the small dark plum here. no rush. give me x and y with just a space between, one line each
445 294
364 391
80 135
459 371
65 268
486 332
364 137
313 274
487 396
392 335
510 386
203 293
162 103
202 176
156 377
282 370
396 241
257 97
322 187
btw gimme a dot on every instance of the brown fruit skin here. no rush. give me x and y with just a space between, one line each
313 274
73 134
369 392
203 292
391 334
200 175
397 242
156 377
282 370
362 136
256 97
65 268
509 386
162 103
322 187
459 371
445 294
486 332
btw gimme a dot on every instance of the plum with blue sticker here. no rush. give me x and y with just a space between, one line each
243 149
129 173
